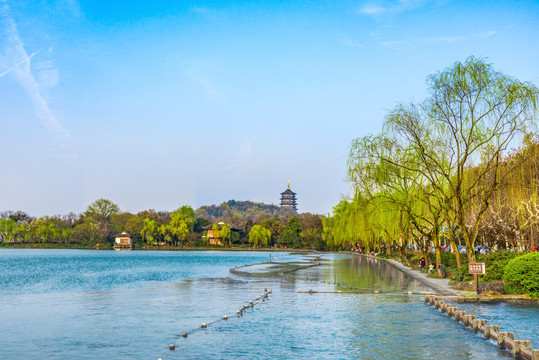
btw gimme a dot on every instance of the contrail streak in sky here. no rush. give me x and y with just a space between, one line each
14 51
19 64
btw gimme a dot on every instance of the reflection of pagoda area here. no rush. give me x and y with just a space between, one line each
288 199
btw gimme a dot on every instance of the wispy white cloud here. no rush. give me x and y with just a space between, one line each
198 73
372 10
242 160
382 8
46 73
245 152
73 7
443 39
24 61
341 89
396 45
19 64
205 83
200 10
348 42
205 12
404 44
488 33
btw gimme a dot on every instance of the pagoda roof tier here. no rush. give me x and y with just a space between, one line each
288 191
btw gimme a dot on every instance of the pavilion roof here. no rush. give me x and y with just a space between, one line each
122 234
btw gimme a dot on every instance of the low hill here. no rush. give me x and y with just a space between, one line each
241 211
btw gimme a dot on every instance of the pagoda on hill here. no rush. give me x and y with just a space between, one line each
288 199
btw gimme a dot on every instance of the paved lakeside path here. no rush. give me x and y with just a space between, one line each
440 285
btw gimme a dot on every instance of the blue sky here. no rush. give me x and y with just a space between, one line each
160 104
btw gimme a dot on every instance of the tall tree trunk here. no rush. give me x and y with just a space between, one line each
438 259
402 253
425 252
456 251
470 252
438 255
468 239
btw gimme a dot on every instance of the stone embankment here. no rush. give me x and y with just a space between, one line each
506 340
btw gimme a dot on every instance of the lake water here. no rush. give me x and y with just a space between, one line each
66 304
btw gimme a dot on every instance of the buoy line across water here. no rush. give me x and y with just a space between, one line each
366 292
356 290
251 304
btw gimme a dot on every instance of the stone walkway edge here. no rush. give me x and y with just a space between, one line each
440 285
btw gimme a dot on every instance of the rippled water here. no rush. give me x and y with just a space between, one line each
65 304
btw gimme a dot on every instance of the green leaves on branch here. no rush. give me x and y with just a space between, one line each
8 230
291 233
149 230
102 207
436 163
259 236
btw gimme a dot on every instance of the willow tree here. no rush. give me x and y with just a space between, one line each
523 185
349 224
471 118
180 225
149 230
8 230
259 235
384 169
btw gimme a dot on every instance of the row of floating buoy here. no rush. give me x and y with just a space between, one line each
239 313
361 289
251 303
341 285
336 292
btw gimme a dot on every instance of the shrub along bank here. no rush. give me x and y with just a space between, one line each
522 274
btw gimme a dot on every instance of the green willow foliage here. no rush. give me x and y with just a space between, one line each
431 174
259 236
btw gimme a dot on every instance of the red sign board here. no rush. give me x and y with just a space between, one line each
476 268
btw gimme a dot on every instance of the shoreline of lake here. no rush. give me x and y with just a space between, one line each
441 285
461 296
151 248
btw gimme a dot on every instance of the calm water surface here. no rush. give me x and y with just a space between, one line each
66 304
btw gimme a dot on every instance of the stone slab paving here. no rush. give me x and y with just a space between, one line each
440 285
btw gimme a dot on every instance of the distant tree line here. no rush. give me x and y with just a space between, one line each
260 224
238 212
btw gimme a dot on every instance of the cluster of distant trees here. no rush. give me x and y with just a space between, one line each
238 212
442 171
260 224
98 225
